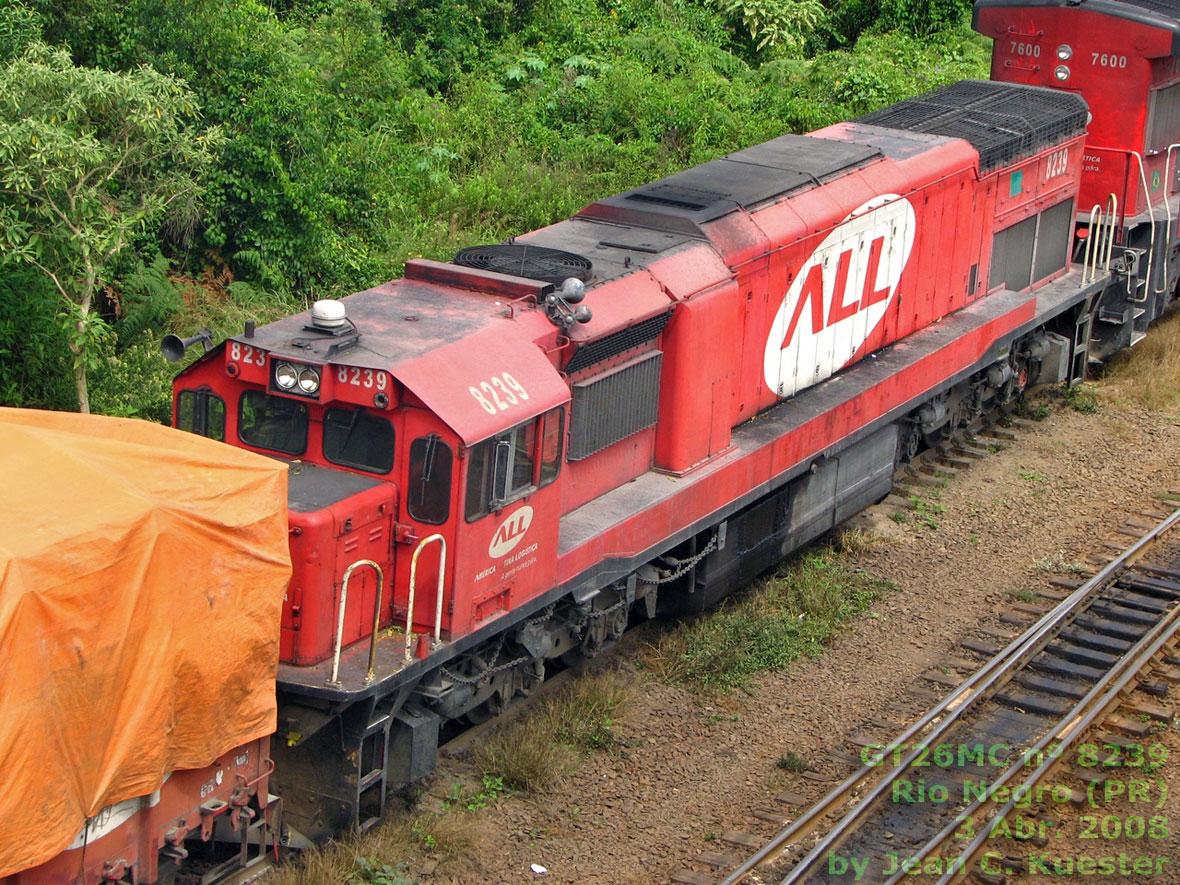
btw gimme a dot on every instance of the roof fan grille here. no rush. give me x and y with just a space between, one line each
531 262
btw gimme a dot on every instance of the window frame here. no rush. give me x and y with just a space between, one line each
266 396
203 397
361 413
495 458
444 446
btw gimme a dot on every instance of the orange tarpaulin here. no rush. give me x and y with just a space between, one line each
142 572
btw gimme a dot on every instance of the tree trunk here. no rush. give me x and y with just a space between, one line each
80 380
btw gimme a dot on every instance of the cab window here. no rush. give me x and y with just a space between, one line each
355 438
272 422
201 411
428 494
511 464
552 437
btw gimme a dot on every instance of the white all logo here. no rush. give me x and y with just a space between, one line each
840 295
509 533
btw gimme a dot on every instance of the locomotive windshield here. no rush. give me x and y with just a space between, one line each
428 495
354 438
202 412
272 422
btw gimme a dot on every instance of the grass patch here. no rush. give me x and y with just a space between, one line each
381 856
792 762
854 540
545 746
474 799
1032 411
1082 398
791 613
1022 595
1149 372
926 512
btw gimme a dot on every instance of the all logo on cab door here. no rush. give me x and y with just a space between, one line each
511 531
840 295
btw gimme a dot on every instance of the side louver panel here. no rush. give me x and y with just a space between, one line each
613 406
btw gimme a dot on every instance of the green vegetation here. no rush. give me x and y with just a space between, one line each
547 745
373 873
1082 398
926 512
791 613
320 144
1149 373
792 762
474 799
383 855
91 159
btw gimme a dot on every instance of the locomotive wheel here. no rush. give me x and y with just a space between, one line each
909 443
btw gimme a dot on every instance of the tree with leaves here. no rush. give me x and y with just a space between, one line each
90 160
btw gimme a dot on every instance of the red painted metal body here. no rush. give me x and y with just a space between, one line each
125 839
760 305
1126 67
758 340
324 543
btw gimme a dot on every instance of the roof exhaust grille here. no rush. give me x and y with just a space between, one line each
524 260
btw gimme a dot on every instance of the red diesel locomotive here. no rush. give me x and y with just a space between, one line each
500 461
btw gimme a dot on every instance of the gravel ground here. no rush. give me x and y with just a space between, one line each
695 768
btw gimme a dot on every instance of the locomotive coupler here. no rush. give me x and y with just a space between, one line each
240 801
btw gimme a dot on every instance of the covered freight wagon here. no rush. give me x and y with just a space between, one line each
142 574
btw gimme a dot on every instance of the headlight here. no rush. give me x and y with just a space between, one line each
1065 52
286 377
309 380
1061 72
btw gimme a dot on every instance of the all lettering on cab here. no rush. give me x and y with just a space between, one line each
510 532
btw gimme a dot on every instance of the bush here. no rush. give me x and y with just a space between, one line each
360 134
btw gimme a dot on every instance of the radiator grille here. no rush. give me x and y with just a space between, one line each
614 406
604 348
1002 121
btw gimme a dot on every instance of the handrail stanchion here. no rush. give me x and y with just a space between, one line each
442 564
334 679
1093 230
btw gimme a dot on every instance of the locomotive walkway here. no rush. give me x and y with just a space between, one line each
972 787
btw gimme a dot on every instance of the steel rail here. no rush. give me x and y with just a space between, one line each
1099 701
978 687
1066 732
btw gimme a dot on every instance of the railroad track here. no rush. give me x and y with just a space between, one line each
971 787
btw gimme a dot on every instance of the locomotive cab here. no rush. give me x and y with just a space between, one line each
386 463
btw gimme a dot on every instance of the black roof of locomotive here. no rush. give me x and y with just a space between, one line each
741 180
1153 13
1003 121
